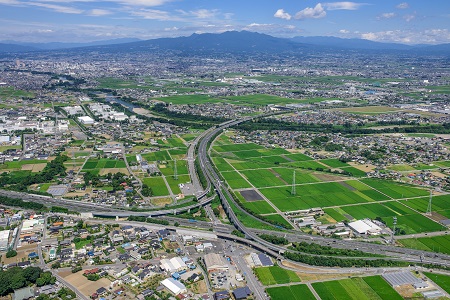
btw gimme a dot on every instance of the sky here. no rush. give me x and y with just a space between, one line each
411 22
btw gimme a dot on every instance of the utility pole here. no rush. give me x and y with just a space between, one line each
175 173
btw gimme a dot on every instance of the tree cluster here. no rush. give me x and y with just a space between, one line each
16 278
277 240
314 248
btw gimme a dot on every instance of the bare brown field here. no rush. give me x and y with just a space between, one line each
114 171
85 286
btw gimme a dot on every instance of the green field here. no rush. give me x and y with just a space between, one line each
275 275
334 163
237 147
157 185
368 288
235 180
395 190
439 244
103 163
442 280
162 155
293 292
316 195
169 170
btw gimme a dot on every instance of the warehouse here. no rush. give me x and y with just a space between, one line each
4 236
86 120
215 262
174 286
365 226
173 265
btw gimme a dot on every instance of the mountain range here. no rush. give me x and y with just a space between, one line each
230 42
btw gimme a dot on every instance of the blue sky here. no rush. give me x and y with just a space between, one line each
411 22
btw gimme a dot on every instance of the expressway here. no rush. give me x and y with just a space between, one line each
250 234
226 198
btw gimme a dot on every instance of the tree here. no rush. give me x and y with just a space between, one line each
56 265
11 253
32 273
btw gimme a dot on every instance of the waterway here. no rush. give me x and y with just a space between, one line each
114 99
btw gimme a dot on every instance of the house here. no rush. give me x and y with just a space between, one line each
163 233
46 289
222 295
101 291
242 293
23 293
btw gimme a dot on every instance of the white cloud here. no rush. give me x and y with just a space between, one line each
410 17
429 36
154 14
58 8
346 5
386 16
204 13
282 14
99 12
311 13
344 31
403 5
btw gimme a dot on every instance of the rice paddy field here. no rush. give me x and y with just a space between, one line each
292 292
275 275
367 288
439 244
442 280
270 172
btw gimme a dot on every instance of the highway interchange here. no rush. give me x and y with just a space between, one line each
251 235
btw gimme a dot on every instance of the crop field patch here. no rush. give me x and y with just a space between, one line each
442 280
259 207
157 185
262 178
368 288
157 156
235 180
438 203
354 171
246 165
439 244
395 190
222 164
237 147
310 165
280 220
334 163
415 223
313 195
169 169
251 195
298 157
275 275
294 292
274 160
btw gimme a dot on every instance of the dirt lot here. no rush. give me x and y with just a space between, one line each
114 171
161 201
364 168
34 167
251 195
83 285
22 253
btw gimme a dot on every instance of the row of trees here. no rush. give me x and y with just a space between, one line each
270 124
314 248
148 220
277 240
327 261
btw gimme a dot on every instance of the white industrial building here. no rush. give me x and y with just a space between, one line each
172 265
215 262
365 226
174 286
4 236
86 120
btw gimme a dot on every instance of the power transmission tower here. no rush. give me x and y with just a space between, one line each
393 230
293 192
175 173
428 213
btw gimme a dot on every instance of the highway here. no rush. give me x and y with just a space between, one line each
411 255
